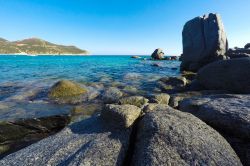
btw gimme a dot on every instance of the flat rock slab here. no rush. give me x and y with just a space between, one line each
175 138
228 113
89 142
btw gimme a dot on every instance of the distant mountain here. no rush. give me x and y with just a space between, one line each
37 46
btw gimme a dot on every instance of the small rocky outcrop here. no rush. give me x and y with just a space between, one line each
111 95
228 114
136 57
121 116
158 54
65 91
138 101
172 137
238 52
232 75
204 41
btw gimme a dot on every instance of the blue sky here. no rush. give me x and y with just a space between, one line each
118 26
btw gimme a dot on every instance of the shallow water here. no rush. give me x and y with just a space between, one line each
21 77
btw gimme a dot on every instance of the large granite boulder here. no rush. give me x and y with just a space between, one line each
204 41
122 116
89 142
158 54
228 114
232 75
172 137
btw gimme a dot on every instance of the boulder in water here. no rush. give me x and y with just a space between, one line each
158 54
63 91
247 46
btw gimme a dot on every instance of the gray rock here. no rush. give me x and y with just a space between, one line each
158 54
120 116
162 98
232 75
204 41
89 142
228 114
247 46
111 95
138 101
175 138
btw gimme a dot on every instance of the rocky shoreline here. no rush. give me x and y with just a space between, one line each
201 117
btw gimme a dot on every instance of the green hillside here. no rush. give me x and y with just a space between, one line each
37 46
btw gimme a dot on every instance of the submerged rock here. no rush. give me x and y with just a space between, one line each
132 76
89 142
138 101
162 98
111 95
136 57
85 111
65 91
172 84
232 75
204 41
120 116
155 107
15 135
228 114
158 54
172 137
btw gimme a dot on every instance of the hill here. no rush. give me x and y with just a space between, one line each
37 46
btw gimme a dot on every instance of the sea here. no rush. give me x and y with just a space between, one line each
23 77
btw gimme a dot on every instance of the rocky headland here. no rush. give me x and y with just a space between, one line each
36 46
201 117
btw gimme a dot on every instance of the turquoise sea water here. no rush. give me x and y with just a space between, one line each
22 76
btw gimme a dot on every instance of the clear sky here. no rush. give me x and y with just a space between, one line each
118 26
